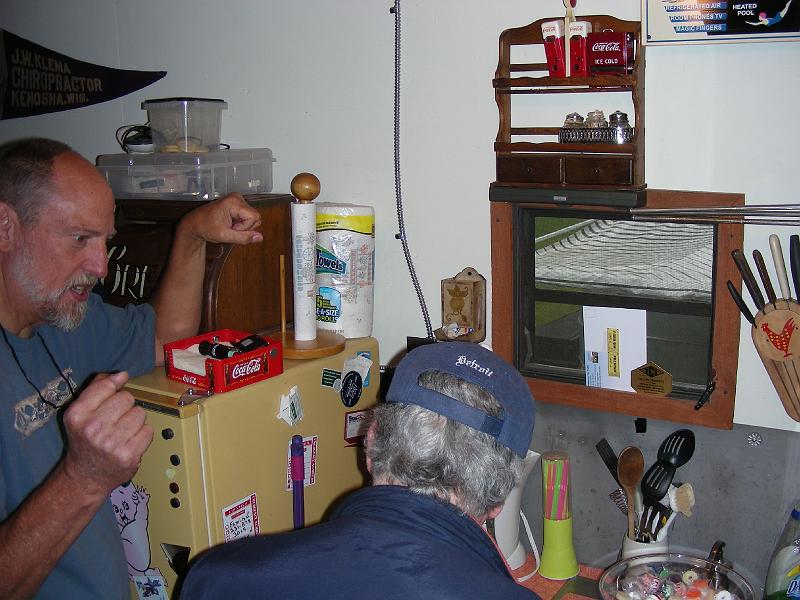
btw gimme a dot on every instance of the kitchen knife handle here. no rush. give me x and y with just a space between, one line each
737 298
761 267
780 266
794 260
748 278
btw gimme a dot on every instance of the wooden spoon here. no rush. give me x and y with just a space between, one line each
630 467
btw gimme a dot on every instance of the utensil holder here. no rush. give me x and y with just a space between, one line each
558 552
633 548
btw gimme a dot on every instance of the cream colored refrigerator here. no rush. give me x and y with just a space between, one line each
219 467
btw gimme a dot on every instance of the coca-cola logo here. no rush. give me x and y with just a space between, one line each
606 47
246 368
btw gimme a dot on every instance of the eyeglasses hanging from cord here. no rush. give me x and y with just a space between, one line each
766 214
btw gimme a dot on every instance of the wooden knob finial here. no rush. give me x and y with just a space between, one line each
305 187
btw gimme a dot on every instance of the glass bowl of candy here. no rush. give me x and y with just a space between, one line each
672 577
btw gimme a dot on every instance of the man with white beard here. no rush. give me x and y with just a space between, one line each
68 435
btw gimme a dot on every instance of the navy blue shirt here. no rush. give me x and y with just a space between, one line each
382 542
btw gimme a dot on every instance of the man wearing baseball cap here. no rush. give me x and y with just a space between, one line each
444 450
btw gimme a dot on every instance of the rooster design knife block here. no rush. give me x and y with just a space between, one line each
778 344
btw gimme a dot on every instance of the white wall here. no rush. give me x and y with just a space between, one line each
312 80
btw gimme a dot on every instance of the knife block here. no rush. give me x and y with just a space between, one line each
775 338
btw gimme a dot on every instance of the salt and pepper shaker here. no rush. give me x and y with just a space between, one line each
596 119
595 128
573 120
618 121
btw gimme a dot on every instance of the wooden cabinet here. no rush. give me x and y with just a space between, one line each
241 289
544 163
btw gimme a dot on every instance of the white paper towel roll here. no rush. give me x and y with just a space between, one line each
303 244
345 264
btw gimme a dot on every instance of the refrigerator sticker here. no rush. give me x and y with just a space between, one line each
130 504
360 364
240 519
355 426
150 588
329 377
368 355
309 462
351 389
291 409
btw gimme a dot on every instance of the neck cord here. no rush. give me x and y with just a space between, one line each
25 375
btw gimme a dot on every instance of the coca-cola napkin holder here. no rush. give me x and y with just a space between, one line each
610 52
225 374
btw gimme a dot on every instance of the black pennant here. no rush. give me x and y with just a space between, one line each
35 80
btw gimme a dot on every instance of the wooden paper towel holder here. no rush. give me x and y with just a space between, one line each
305 187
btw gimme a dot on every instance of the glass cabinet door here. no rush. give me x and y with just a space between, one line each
571 264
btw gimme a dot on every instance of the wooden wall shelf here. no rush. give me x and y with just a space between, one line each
547 163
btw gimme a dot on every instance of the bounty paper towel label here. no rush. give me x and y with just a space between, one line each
345 255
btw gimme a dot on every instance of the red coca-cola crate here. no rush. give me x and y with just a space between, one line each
225 374
610 52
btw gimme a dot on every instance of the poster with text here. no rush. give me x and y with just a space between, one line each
711 21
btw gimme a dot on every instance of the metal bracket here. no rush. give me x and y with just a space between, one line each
191 395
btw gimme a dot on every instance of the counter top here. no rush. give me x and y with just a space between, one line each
580 587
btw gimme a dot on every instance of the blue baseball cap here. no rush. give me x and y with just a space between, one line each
475 364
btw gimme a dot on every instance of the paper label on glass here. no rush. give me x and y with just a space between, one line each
615 341
651 379
593 360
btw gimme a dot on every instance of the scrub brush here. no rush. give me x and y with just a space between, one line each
681 499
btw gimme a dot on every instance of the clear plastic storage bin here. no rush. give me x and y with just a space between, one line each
185 124
188 176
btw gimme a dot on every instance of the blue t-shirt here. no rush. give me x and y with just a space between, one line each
109 339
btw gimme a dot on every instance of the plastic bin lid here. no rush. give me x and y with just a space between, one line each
204 159
173 102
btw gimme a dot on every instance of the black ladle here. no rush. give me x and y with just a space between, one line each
675 451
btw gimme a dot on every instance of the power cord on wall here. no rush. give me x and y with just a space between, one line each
395 10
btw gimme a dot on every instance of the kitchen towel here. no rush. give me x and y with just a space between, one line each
303 244
345 266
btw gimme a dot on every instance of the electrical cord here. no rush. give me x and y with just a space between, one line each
131 135
395 10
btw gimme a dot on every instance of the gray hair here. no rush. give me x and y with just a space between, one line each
442 458
26 171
